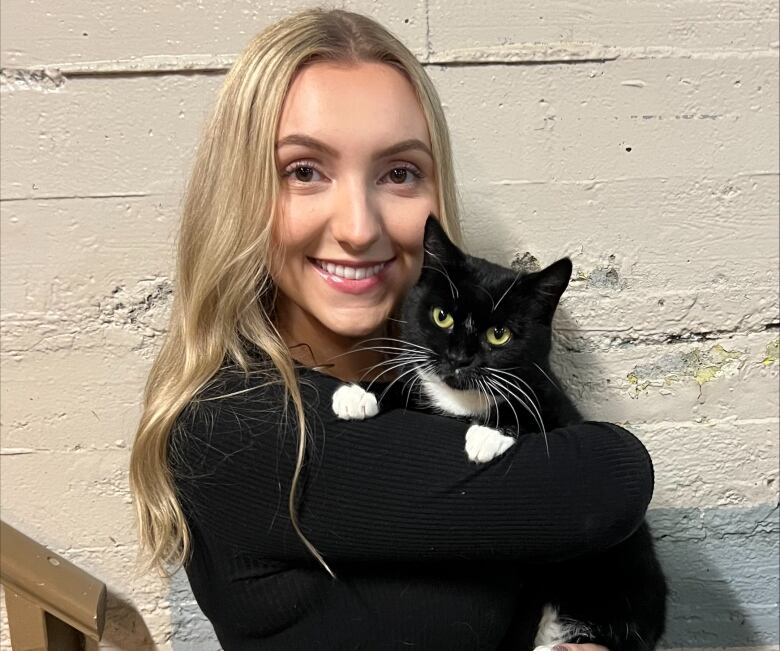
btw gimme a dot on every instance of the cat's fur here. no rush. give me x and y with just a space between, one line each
616 598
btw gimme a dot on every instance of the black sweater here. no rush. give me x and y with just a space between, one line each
426 545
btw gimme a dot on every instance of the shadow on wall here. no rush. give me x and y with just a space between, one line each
190 630
722 568
125 628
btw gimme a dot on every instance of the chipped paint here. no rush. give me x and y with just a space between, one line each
42 79
526 263
603 277
772 349
699 364
135 307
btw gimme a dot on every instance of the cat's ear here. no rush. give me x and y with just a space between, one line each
550 283
437 245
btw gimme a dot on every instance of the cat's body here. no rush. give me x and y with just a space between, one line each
475 341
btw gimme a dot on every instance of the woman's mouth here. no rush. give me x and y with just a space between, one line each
351 277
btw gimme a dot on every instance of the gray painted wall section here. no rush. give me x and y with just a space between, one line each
722 566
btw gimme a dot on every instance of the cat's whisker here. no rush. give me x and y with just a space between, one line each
443 271
417 378
476 384
517 419
392 365
411 370
400 361
453 289
377 349
388 349
384 372
535 413
488 396
408 354
518 378
517 277
405 353
401 341
495 401
430 369
401 356
508 385
487 390
411 380
490 296
508 401
548 377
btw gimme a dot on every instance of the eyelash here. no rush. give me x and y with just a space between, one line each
290 170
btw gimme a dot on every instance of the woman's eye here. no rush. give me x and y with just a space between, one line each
442 318
497 336
404 175
302 172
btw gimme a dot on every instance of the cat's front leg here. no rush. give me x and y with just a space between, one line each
485 443
353 402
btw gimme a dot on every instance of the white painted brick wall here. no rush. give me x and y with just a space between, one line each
639 138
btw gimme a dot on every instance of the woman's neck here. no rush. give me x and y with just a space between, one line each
311 344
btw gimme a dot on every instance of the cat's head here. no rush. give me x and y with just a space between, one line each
472 315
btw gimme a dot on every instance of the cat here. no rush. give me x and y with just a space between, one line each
475 338
459 304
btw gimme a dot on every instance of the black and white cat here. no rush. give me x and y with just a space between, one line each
476 338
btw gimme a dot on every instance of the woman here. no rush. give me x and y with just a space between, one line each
301 232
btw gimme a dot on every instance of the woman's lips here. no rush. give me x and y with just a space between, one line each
352 278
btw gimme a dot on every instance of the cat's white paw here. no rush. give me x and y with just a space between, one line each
485 443
353 402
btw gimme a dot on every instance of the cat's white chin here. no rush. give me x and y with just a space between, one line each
456 402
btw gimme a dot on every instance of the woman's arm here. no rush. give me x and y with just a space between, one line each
398 487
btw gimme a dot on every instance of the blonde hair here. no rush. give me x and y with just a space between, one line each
224 294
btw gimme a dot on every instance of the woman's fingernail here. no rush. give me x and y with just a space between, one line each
560 647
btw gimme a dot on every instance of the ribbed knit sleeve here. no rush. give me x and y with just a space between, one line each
399 487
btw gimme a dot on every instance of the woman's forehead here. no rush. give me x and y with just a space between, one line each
365 106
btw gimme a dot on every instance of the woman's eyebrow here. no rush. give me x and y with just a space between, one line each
313 143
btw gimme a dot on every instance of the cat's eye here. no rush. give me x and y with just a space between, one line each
498 336
442 318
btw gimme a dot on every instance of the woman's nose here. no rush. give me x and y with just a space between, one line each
356 222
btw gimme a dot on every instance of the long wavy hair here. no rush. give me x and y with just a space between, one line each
224 295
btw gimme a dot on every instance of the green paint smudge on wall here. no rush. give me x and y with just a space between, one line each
707 365
700 364
772 353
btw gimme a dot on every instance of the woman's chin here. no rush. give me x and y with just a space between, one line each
356 328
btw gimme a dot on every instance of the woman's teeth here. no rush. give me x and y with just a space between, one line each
351 273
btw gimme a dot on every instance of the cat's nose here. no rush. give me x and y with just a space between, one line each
459 361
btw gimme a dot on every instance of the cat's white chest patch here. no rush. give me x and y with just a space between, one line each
453 401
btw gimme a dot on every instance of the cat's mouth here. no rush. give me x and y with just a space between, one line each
461 379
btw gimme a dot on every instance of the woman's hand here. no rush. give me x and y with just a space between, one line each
579 647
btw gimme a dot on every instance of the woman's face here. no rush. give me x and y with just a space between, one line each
357 185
